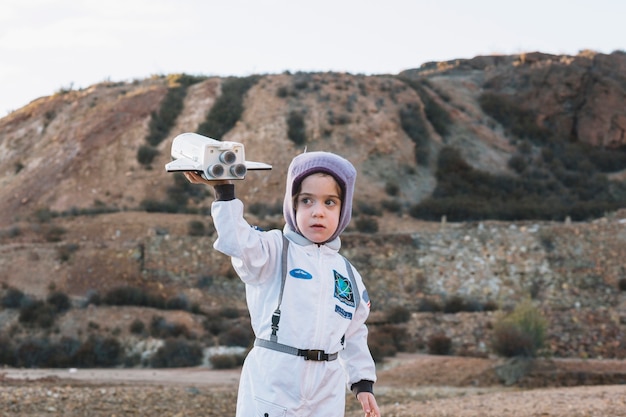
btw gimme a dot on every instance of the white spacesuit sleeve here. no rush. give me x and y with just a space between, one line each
253 252
356 357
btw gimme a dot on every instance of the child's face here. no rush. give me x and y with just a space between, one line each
318 207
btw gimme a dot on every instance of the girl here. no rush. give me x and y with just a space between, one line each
307 304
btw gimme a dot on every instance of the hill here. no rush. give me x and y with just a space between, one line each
490 179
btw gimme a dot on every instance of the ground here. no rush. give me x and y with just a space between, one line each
409 385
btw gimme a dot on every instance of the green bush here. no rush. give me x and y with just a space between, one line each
413 124
196 228
237 335
64 252
53 233
146 154
436 115
7 351
398 314
162 329
37 313
366 224
439 344
12 298
162 121
521 333
454 304
380 348
228 107
177 353
426 305
133 296
60 301
296 129
137 327
177 302
392 189
507 111
97 351
226 361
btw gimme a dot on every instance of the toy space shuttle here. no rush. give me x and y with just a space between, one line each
213 159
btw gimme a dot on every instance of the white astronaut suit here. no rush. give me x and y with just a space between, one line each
320 344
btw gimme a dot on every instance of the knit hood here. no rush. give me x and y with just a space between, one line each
309 163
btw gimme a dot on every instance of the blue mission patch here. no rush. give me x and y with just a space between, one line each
300 274
343 313
343 289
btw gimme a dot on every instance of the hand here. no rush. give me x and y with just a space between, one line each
195 178
368 402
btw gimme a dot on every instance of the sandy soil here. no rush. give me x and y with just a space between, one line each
409 385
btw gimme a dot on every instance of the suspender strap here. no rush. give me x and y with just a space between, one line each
307 354
273 342
276 314
355 288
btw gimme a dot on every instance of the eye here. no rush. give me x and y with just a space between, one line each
331 203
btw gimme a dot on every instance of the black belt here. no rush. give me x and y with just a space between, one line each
307 354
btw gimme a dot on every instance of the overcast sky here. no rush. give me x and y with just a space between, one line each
49 45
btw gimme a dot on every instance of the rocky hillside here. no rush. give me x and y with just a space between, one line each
85 210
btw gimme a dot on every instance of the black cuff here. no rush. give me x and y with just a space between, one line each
224 192
362 386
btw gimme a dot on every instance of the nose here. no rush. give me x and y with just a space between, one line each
317 211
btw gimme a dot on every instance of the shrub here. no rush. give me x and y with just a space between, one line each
508 112
176 353
161 328
64 252
37 313
392 189
380 348
230 312
137 327
386 341
439 344
146 154
228 107
178 302
196 228
238 335
60 301
12 298
522 333
31 353
54 233
93 297
226 361
398 314
44 215
393 206
426 305
214 323
296 129
133 296
99 352
454 305
367 224
414 126
7 351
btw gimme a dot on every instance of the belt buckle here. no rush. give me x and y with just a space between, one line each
314 355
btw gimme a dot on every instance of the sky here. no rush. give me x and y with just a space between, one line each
52 45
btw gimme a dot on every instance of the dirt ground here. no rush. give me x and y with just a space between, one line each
409 385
